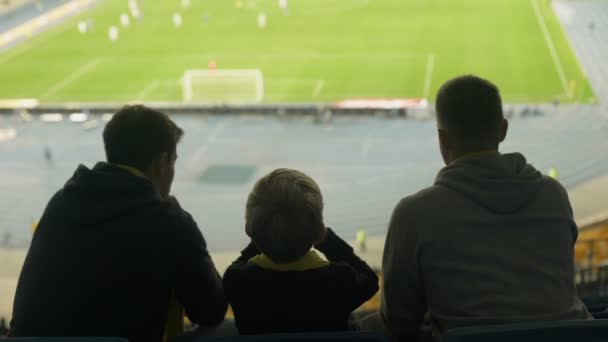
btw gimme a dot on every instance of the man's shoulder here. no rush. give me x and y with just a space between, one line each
425 199
552 184
171 212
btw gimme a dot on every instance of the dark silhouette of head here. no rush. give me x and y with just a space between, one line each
469 117
144 139
284 215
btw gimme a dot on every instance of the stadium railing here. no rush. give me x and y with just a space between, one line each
67 339
301 337
555 331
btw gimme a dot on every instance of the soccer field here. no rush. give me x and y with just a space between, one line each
321 51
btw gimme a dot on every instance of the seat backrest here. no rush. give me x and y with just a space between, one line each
67 339
301 337
555 331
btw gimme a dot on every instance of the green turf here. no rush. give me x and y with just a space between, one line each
359 48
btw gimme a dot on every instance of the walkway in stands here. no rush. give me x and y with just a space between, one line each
23 10
9 6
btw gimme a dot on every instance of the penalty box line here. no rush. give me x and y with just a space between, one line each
551 46
152 86
428 76
66 81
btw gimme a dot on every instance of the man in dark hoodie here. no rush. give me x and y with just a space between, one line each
490 242
112 246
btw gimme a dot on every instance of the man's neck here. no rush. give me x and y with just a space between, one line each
476 154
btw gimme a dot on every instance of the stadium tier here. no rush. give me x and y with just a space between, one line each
345 92
221 156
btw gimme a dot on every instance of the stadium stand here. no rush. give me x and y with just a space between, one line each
8 6
19 11
3 327
400 151
576 131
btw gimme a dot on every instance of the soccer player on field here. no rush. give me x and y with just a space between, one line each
262 20
212 66
284 6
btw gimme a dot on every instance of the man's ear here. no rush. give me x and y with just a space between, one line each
248 229
444 139
152 168
504 127
444 145
164 158
162 162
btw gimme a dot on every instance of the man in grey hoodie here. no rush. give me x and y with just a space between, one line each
490 242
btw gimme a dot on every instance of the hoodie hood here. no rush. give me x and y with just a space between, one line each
502 183
105 192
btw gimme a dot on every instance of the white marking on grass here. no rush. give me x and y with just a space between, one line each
288 81
318 87
551 46
72 77
147 90
428 76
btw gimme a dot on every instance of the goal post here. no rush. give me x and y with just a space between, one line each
223 86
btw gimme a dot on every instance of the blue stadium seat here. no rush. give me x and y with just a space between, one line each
301 337
555 331
596 304
67 339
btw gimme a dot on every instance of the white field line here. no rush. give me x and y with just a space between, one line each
288 81
428 76
318 87
72 77
198 155
147 90
551 46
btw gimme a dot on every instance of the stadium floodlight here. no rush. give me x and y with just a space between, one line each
223 86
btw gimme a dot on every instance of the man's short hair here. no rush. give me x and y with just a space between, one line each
469 108
137 135
284 214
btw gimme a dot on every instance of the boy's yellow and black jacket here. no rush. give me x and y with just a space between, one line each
310 294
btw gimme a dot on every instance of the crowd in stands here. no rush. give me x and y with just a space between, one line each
115 254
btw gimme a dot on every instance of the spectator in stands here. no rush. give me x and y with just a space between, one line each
279 284
490 242
113 245
3 327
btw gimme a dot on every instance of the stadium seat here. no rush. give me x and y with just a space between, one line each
68 339
302 337
597 306
555 331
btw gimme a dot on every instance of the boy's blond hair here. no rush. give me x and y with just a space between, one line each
284 214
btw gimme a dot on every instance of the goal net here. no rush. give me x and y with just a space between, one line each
223 86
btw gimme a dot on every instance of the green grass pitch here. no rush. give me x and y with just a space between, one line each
323 51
